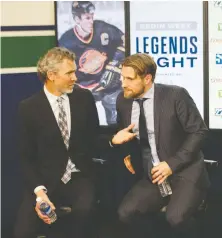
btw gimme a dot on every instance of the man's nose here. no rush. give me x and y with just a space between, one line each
123 83
74 78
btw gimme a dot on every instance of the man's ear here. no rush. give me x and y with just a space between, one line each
51 75
77 19
148 78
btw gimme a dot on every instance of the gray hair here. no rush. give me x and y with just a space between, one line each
51 59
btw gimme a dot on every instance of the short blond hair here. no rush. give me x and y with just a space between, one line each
51 59
142 64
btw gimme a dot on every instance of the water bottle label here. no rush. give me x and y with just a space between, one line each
45 208
165 189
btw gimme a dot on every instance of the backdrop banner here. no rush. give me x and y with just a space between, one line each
172 33
215 64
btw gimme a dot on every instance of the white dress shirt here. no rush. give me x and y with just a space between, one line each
148 106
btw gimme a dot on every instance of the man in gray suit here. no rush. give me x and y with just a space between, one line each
161 142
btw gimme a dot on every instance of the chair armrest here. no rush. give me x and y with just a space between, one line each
63 211
211 162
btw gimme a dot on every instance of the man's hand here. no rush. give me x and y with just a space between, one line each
161 172
124 135
44 197
127 162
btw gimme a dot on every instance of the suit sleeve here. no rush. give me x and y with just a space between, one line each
193 124
93 123
118 110
97 144
28 149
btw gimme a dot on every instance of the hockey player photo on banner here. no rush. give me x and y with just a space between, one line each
94 31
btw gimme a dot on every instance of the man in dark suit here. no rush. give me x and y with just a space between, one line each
161 144
58 126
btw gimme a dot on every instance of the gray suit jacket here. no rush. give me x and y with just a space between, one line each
179 132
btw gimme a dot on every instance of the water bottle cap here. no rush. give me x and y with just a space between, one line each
38 199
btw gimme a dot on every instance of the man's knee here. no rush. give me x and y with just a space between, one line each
22 233
85 210
175 220
17 235
124 214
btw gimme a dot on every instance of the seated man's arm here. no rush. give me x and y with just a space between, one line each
28 154
193 125
28 148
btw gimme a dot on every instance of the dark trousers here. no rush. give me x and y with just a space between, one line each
143 201
78 193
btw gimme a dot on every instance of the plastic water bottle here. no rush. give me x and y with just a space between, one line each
46 209
164 187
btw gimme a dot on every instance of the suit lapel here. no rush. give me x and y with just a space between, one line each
128 111
75 112
72 114
157 111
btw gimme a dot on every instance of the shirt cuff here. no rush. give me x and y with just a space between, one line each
40 188
111 144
